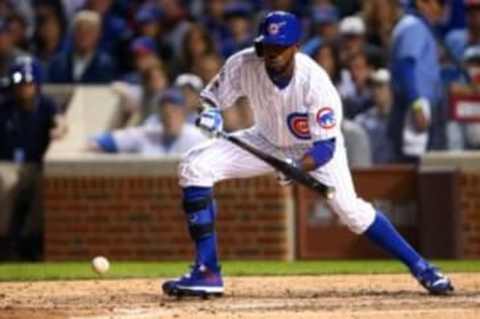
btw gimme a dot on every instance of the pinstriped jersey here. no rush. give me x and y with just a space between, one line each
307 110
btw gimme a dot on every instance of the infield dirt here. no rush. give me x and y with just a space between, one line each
338 297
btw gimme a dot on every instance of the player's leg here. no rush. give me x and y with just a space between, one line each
362 218
200 169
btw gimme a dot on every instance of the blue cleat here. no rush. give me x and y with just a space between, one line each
434 281
200 282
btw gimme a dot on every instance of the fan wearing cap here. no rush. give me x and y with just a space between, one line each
416 124
323 28
353 40
191 85
173 136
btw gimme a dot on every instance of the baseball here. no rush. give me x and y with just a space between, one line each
100 264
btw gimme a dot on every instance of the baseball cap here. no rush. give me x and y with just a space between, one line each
380 76
173 96
325 15
143 45
189 79
472 54
147 15
352 25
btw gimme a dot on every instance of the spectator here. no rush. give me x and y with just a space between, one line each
239 24
114 29
380 17
144 54
324 28
375 120
207 66
18 28
326 56
141 102
48 38
84 63
458 40
173 137
466 135
416 124
353 87
28 122
352 41
147 22
213 19
191 86
195 44
8 51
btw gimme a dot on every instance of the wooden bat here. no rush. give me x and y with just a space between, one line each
287 169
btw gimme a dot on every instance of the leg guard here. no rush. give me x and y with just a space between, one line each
199 217
200 209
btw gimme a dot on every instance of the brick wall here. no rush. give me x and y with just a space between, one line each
469 193
140 217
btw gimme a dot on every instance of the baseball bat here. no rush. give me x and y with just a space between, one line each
287 169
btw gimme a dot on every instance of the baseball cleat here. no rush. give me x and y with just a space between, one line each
199 282
434 281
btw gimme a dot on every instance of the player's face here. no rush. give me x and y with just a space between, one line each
278 58
25 93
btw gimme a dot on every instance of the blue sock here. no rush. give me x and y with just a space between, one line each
384 234
206 246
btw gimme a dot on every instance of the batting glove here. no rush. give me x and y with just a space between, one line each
210 119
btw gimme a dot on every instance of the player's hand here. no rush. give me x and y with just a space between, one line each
421 114
210 119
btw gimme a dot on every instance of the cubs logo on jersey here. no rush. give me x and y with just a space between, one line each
298 125
326 118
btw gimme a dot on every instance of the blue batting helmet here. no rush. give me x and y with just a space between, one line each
24 70
280 28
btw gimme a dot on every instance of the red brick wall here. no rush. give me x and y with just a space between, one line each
141 218
470 214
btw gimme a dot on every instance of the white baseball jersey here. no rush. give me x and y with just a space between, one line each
307 110
287 123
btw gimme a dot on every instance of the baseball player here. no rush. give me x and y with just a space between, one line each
297 115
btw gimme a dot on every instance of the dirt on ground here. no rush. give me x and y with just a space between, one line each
338 297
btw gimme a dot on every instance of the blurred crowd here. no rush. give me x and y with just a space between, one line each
158 54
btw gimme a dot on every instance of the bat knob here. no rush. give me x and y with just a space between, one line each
330 192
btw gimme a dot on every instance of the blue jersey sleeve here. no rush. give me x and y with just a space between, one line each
106 142
407 78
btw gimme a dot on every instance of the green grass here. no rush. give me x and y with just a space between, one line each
82 270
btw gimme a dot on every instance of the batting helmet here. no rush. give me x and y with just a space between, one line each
24 70
280 28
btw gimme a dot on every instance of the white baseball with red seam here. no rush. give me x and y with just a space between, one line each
100 264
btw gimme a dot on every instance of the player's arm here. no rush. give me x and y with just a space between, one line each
320 154
222 91
324 125
409 52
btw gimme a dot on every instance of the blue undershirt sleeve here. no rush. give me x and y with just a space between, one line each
322 151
